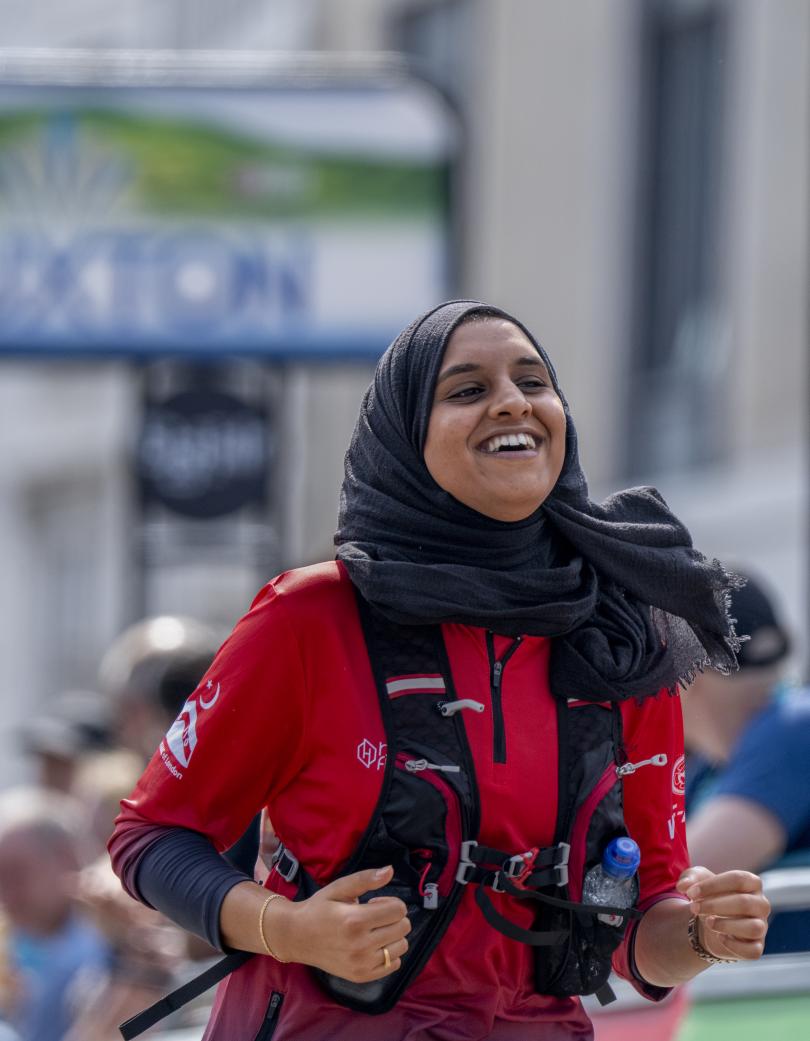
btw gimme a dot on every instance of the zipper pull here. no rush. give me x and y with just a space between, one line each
497 669
417 765
630 768
449 708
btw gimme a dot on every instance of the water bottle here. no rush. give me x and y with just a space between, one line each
614 882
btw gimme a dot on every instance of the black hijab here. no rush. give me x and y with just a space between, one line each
633 606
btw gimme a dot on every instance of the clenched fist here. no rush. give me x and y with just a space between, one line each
732 911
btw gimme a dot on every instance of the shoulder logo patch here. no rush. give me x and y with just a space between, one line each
181 737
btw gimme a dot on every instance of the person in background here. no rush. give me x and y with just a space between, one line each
148 953
53 950
748 770
72 726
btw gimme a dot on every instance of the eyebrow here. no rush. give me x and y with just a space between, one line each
464 367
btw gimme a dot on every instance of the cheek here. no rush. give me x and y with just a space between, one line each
553 418
441 450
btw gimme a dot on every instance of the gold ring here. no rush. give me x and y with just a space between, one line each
387 957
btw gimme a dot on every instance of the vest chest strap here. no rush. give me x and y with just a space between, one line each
536 868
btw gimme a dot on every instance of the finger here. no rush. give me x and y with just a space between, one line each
730 947
396 951
691 876
382 971
736 928
725 882
348 888
734 905
390 934
376 914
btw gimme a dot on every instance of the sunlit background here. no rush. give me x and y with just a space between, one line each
204 247
629 178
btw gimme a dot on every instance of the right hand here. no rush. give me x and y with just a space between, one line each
334 932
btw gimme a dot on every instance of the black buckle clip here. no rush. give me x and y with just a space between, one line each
289 870
562 867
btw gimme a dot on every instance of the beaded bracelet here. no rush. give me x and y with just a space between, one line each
265 944
700 950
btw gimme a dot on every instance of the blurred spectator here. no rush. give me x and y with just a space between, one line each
148 954
101 781
72 725
53 952
149 671
147 950
748 771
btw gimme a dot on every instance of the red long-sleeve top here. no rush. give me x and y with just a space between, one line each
287 718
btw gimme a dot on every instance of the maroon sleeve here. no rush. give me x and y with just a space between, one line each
653 814
238 741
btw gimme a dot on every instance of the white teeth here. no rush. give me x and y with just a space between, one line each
509 441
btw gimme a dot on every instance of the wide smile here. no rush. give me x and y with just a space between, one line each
511 447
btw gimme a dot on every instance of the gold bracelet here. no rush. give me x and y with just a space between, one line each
265 944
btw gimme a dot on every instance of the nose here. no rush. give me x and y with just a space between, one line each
509 400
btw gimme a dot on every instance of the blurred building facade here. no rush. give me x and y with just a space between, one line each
633 184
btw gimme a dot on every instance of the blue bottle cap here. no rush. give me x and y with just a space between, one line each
621 858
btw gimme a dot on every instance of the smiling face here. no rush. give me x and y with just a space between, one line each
496 436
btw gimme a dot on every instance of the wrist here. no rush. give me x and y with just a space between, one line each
276 930
696 942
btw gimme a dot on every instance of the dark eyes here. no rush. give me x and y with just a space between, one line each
527 384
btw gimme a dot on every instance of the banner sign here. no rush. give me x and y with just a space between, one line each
203 454
284 222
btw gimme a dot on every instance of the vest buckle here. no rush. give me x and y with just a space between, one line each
285 863
465 866
561 867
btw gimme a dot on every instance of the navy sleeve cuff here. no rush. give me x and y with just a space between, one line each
182 875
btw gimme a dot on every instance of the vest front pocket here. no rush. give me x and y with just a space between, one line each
583 965
271 1017
426 819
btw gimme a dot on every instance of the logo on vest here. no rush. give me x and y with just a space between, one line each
678 817
370 754
679 776
181 737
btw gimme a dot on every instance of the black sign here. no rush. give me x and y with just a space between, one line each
203 454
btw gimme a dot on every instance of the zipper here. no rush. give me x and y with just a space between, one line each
449 708
630 768
416 766
270 1021
496 667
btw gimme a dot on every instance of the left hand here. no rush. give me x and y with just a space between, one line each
732 911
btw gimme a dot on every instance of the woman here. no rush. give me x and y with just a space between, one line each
464 513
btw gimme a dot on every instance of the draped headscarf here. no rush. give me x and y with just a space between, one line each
632 606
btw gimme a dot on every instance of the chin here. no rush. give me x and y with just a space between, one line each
511 514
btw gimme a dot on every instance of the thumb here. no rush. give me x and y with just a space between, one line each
348 888
691 876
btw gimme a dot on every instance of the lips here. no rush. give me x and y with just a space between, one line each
504 443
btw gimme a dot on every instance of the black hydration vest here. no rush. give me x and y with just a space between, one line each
426 825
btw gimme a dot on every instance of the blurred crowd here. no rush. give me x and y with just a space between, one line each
78 956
